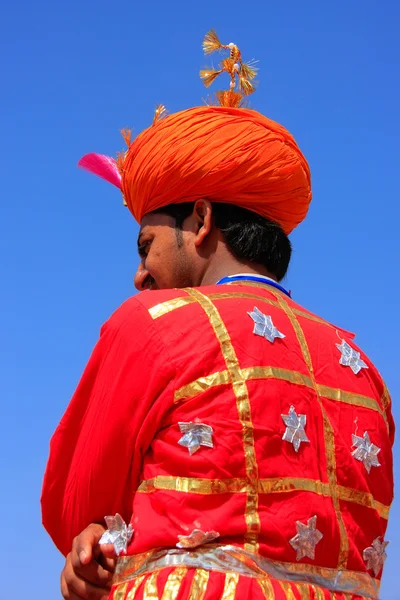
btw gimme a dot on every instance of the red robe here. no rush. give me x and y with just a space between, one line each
191 356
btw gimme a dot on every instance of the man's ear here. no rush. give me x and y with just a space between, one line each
202 215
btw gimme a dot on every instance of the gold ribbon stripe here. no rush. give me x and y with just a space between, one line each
386 400
173 583
163 308
120 591
150 591
132 592
273 485
364 499
192 485
351 398
267 588
329 436
287 590
159 310
199 585
230 585
203 384
318 593
304 591
244 412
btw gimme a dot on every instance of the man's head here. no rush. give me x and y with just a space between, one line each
197 243
222 153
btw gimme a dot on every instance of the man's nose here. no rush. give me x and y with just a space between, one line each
142 278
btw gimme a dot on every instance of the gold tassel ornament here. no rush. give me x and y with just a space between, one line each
211 42
241 74
127 135
209 75
241 85
159 113
230 98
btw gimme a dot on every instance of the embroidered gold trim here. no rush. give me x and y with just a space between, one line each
293 484
231 295
163 308
159 310
150 591
318 593
173 583
249 373
244 411
351 398
132 592
267 588
287 590
119 593
257 297
268 372
304 591
193 485
228 559
230 585
386 399
202 384
363 498
199 585
329 436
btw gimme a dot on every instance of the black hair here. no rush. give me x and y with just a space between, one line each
248 236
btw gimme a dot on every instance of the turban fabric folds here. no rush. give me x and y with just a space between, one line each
232 155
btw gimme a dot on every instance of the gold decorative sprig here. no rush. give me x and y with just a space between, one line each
241 74
159 113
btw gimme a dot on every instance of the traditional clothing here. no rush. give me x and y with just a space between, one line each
286 415
246 441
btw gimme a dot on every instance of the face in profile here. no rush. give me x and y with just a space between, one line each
164 254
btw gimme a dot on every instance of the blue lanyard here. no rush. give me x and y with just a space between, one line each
265 280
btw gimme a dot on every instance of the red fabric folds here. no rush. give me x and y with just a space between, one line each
159 362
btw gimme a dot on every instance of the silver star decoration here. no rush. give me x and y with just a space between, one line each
264 326
118 533
365 451
195 435
375 555
306 539
196 538
295 424
351 358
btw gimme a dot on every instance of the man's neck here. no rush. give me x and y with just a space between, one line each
216 272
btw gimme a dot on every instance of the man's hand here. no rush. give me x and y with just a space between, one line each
87 574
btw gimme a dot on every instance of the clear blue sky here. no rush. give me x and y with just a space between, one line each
73 74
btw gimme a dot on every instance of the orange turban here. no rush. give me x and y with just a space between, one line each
232 155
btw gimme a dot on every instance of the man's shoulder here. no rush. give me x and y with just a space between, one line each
134 318
144 304
317 320
162 299
149 299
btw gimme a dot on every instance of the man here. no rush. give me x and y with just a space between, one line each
242 443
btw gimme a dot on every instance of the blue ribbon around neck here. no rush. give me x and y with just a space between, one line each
259 279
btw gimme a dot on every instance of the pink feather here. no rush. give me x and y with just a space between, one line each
103 166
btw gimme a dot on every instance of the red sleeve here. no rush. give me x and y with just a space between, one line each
96 451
